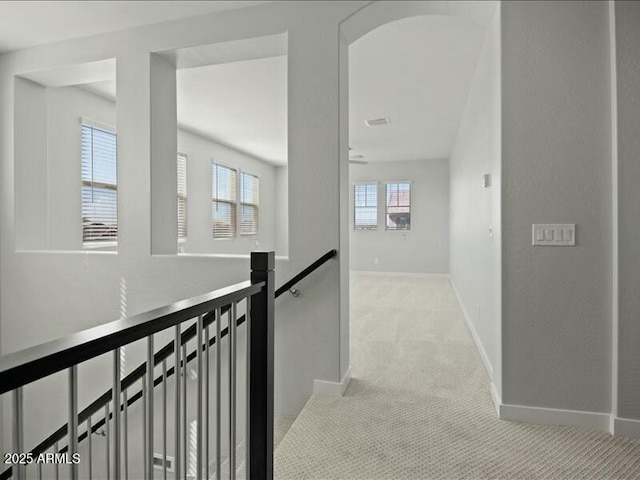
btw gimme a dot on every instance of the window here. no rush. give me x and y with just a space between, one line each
248 204
182 196
366 206
398 215
99 185
223 207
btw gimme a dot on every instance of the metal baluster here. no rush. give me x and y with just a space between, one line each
233 315
56 470
184 409
125 421
18 431
39 471
199 397
89 446
177 374
218 319
247 426
73 419
107 432
150 384
144 426
164 419
116 412
206 402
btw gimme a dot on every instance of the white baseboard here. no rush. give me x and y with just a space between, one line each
324 387
476 339
625 427
554 416
376 273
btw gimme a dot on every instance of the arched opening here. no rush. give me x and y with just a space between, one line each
457 51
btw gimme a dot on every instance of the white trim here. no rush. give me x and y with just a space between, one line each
399 274
97 124
324 387
625 427
614 216
495 397
476 339
555 416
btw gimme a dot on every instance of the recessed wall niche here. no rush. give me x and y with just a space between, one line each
219 148
65 158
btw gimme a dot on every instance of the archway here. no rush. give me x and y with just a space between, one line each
369 18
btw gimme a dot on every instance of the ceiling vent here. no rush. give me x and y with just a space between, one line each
378 122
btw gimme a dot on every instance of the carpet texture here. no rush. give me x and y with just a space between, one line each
419 407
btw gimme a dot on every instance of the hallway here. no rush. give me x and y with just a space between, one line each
419 405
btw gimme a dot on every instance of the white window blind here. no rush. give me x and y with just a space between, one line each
366 206
223 207
99 185
182 195
398 202
249 200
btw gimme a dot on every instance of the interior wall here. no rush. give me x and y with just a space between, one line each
475 209
556 169
282 210
627 20
425 247
61 227
49 294
201 152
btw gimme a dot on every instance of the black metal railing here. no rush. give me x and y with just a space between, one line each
56 356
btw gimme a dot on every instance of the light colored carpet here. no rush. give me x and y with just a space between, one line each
419 405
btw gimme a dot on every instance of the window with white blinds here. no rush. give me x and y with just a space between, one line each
223 206
182 195
99 185
398 202
366 206
249 200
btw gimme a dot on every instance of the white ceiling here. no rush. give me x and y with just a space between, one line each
240 104
25 24
417 72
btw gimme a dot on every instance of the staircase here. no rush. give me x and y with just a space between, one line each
202 328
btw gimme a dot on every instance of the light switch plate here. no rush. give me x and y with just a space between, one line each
554 234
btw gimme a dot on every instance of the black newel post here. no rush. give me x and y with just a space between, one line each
261 368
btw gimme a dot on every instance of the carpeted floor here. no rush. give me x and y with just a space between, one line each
418 406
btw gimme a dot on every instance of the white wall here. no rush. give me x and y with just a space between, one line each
200 153
281 187
556 169
424 248
51 294
61 227
475 210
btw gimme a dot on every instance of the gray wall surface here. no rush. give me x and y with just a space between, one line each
556 169
627 17
424 248
475 210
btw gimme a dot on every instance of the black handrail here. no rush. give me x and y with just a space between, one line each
161 355
304 273
31 364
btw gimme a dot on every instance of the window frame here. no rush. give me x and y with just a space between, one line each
233 203
110 130
183 197
374 227
241 203
386 205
